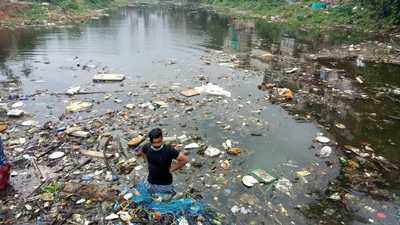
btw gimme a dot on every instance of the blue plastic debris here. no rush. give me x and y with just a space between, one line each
3 159
318 5
227 191
116 206
61 129
184 206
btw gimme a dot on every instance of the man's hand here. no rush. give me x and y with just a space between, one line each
180 162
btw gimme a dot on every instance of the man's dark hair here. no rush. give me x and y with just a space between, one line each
155 133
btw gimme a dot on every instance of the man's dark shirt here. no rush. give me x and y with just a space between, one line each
159 162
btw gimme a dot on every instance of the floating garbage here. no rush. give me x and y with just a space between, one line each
249 181
183 138
182 221
211 151
95 154
136 141
78 106
190 93
112 216
161 104
340 126
284 185
396 91
359 79
109 77
292 70
18 141
192 146
302 173
227 144
212 89
263 176
335 196
286 93
70 130
124 216
15 113
80 133
381 216
3 127
17 104
265 57
147 105
77 132
356 151
322 139
73 90
116 100
128 196
235 209
360 61
56 155
130 106
80 201
234 151
325 152
170 139
29 123
226 164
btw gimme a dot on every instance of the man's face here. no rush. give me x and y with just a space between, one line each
157 142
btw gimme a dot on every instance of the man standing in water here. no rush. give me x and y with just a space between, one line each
159 158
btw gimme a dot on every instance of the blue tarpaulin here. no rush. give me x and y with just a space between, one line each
184 206
318 5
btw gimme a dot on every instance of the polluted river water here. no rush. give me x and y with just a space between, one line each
163 50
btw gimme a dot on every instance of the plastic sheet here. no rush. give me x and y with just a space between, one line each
184 206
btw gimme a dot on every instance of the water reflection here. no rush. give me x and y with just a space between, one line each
288 46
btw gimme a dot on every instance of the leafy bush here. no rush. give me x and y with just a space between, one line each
384 9
98 2
66 4
77 4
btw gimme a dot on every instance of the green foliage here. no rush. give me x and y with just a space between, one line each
98 2
385 10
37 13
53 187
66 4
363 14
77 5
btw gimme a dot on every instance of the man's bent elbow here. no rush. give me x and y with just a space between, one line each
184 159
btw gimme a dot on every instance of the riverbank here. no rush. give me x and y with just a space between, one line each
33 14
348 16
348 21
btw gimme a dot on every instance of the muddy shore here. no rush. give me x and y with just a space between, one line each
23 14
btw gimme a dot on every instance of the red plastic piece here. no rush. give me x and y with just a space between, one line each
4 176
